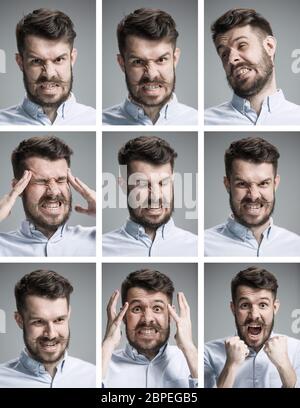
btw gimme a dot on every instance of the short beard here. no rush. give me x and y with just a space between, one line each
259 83
39 223
154 350
241 221
140 101
40 102
148 224
36 356
242 337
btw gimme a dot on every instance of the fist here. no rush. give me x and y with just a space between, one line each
236 350
276 349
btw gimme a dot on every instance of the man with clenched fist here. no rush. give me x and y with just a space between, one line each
255 357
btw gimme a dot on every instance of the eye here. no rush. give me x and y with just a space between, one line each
157 309
142 183
37 323
244 306
264 184
241 184
137 62
242 45
59 60
162 60
36 61
60 320
263 305
136 309
40 182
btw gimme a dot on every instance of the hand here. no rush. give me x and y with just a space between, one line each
113 328
88 194
236 350
8 201
183 336
277 351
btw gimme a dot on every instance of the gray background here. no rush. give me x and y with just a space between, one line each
183 276
83 165
216 198
83 303
184 143
83 15
217 279
185 15
284 19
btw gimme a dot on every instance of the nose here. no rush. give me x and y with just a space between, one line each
148 316
50 331
49 69
234 56
253 192
254 313
52 188
155 193
151 70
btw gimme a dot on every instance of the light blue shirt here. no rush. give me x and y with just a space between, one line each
66 241
234 239
131 240
29 113
129 113
168 369
25 372
257 371
275 110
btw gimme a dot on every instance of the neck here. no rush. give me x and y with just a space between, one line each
152 112
51 112
151 232
256 101
51 369
258 231
48 234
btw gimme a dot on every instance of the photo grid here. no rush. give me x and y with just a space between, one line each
150 236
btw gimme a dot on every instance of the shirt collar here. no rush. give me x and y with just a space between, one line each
243 232
36 111
137 111
29 229
271 102
37 368
140 358
137 231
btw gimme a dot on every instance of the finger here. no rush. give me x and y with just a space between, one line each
20 186
81 210
112 305
183 305
173 313
121 314
80 186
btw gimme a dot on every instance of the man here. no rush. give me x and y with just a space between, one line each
251 181
148 361
255 357
245 43
148 57
42 177
43 314
46 58
148 181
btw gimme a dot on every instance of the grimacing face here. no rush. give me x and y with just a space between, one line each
252 189
149 67
147 321
45 325
254 311
150 193
247 59
47 70
47 199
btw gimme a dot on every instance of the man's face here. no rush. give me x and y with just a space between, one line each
47 70
147 321
47 198
252 192
247 60
254 311
149 68
150 193
45 325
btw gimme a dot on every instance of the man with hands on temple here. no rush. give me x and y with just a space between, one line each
148 361
255 357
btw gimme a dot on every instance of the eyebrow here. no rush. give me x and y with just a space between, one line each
32 55
132 56
41 318
238 178
236 39
245 298
47 179
140 301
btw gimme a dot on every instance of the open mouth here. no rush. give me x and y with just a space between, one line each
241 72
254 330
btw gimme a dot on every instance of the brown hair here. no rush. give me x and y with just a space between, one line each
45 23
251 149
151 24
150 149
44 283
239 17
254 277
48 147
150 280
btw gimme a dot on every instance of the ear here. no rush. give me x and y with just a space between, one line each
177 53
121 62
269 44
276 181
122 183
232 307
19 320
19 61
226 184
73 56
276 306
